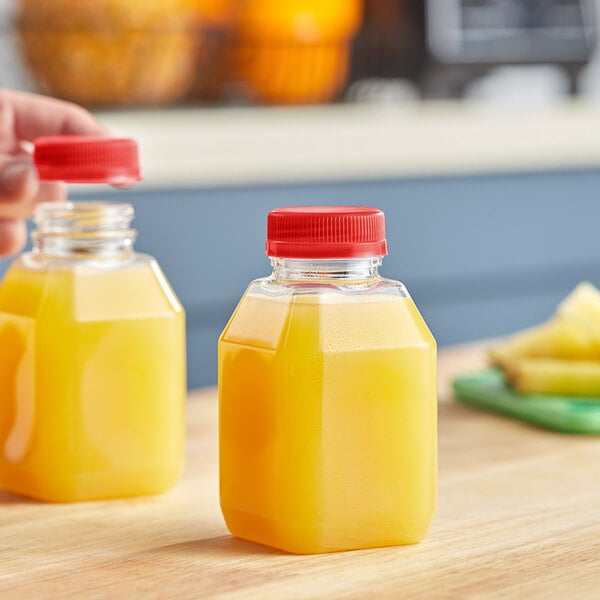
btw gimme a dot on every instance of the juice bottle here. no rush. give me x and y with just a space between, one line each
92 346
327 392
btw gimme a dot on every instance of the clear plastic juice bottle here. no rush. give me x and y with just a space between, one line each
92 346
328 394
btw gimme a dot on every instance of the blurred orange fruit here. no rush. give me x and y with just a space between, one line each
109 52
303 20
295 51
220 12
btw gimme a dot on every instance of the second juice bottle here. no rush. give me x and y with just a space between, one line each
92 346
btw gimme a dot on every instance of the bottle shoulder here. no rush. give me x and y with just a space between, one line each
372 317
88 291
379 286
38 262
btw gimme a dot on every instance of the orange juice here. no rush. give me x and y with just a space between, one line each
92 384
328 412
322 403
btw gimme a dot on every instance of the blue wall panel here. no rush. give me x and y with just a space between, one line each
482 255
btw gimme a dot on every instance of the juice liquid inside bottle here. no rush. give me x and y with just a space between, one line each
328 410
92 378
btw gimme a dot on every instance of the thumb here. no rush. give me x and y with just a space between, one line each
13 236
18 187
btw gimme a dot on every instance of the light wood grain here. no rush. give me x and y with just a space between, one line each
519 517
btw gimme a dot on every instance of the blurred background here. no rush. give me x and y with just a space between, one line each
474 124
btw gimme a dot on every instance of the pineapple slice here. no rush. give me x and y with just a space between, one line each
558 338
561 356
582 305
554 376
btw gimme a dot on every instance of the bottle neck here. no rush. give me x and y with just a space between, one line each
316 270
83 230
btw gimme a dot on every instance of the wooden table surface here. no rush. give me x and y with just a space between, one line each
518 517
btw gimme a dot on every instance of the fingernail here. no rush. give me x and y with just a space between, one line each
14 175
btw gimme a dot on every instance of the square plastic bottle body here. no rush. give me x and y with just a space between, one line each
92 387
328 421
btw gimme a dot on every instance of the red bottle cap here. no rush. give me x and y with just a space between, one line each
86 159
326 232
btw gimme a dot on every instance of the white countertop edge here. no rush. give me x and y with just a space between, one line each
185 148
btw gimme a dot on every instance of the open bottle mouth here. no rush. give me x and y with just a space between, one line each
83 228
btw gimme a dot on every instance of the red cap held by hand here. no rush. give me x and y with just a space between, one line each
326 232
86 159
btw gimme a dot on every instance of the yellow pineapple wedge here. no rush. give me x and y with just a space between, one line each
558 338
561 356
554 376
582 306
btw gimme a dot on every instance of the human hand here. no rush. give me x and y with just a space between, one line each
23 117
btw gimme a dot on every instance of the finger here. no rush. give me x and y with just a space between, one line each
124 186
19 187
51 192
13 235
26 116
